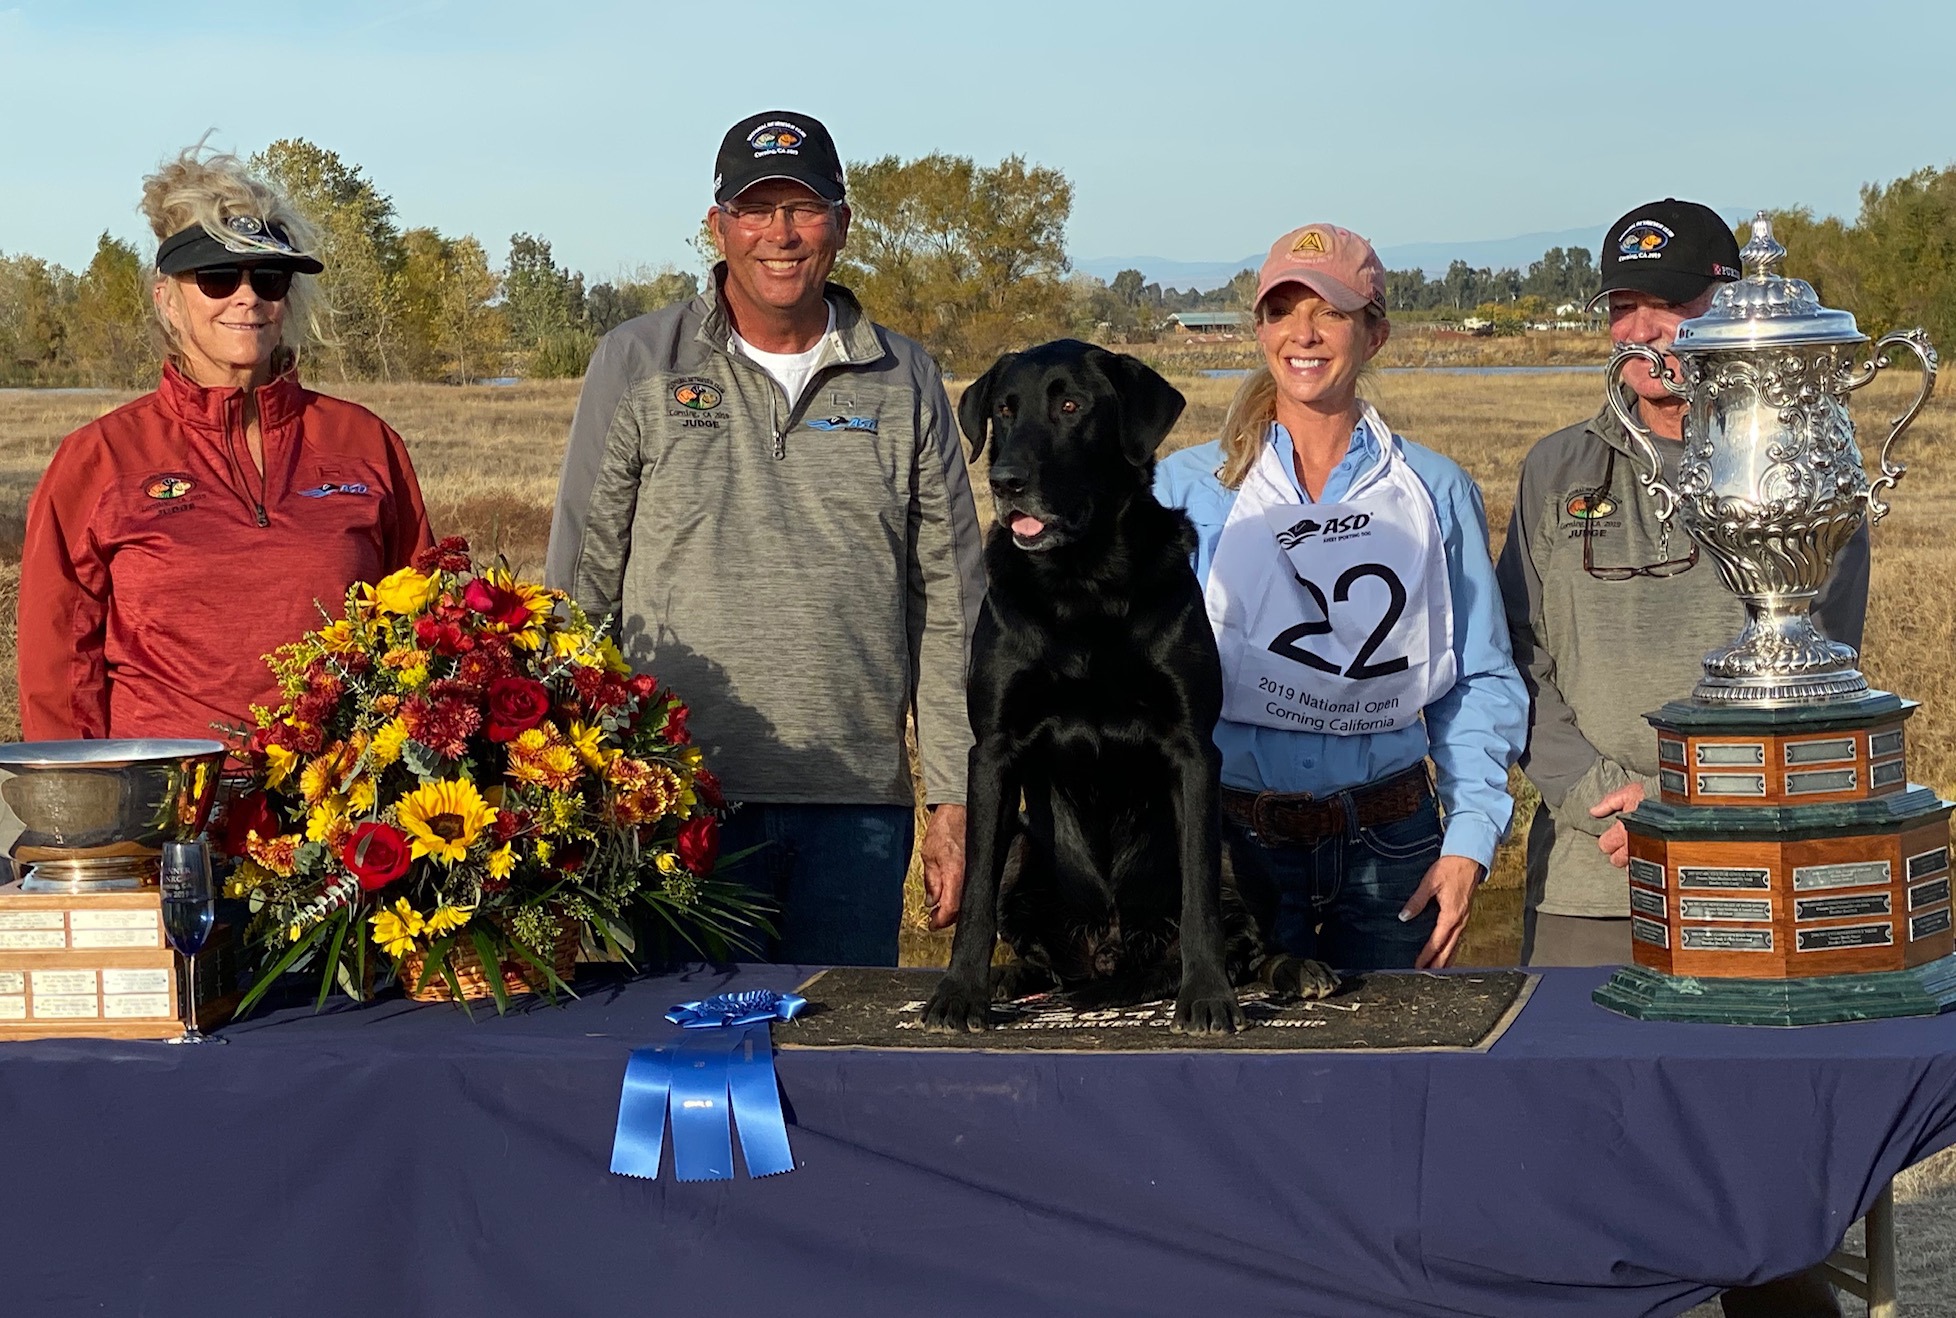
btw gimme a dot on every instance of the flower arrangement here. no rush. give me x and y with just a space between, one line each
464 769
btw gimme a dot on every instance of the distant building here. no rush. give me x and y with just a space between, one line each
1210 322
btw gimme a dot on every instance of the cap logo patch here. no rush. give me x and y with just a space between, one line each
1588 505
248 225
167 486
1310 242
777 137
1643 240
697 395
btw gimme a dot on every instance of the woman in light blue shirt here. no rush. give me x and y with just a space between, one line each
1347 577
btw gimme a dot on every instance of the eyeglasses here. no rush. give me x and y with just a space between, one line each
270 282
1669 568
754 216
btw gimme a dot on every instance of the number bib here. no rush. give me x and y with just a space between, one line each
1332 618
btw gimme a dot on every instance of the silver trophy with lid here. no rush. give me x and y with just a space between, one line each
1770 484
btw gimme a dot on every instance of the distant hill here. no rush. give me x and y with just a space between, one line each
1433 258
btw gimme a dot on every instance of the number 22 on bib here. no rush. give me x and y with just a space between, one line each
1332 618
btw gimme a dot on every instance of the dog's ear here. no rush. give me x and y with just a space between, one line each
1149 404
975 408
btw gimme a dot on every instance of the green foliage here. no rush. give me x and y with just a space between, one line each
35 299
611 304
109 334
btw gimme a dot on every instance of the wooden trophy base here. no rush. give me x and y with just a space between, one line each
1788 873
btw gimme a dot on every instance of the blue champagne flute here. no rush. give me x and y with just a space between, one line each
189 909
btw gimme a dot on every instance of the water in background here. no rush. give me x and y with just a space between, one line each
1442 370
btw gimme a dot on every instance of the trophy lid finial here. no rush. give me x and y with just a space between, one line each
1763 254
1765 309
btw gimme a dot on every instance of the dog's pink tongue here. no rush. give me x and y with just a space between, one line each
1026 526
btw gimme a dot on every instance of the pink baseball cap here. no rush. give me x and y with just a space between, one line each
1336 264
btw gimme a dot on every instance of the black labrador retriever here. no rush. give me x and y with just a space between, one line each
1094 694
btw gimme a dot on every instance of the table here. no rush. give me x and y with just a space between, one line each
402 1159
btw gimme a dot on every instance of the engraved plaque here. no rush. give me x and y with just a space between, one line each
1712 876
1750 752
1854 874
1923 864
1846 935
1809 782
150 937
136 981
13 981
30 920
1887 774
1919 896
1731 784
29 940
122 1006
62 981
1929 922
66 1006
1650 903
1837 908
1728 940
1885 743
1670 780
1820 752
1670 751
1646 872
12 1008
1725 908
1649 931
112 920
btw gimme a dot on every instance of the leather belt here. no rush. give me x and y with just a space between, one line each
1296 818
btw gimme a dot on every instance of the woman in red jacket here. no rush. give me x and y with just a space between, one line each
176 541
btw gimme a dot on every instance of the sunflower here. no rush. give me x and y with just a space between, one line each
443 819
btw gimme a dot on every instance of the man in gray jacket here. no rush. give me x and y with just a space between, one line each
1611 612
766 493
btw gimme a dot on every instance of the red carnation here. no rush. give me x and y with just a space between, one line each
376 855
442 635
708 784
502 607
247 814
698 844
450 555
516 704
642 685
675 730
598 689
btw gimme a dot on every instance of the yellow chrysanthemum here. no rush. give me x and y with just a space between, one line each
386 746
322 774
443 819
405 592
414 676
395 930
247 878
502 862
541 756
279 764
669 863
328 822
447 918
588 742
338 637
361 795
277 854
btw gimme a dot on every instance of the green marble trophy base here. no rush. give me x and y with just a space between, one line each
1652 995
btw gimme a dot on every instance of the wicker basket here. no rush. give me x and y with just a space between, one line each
519 976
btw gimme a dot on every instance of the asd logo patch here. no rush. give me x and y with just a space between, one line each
697 395
863 423
169 485
333 487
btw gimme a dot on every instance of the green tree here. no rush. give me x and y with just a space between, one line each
611 304
544 304
451 328
108 339
36 302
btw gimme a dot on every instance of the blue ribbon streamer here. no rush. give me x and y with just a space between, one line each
711 1083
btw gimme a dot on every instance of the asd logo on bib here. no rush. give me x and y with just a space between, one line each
1332 529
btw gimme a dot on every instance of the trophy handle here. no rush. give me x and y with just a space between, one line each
1918 343
1640 437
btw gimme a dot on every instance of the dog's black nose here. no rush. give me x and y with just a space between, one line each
1008 480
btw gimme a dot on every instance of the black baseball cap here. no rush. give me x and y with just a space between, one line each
777 144
1672 249
261 242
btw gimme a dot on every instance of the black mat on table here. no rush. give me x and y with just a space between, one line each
863 1008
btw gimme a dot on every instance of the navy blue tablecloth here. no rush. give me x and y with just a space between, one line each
402 1159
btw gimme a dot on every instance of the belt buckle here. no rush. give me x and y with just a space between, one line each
1265 825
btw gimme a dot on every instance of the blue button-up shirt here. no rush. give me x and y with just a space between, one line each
1473 732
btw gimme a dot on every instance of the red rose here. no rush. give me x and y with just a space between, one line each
247 814
503 607
698 844
708 784
642 685
675 730
376 854
516 704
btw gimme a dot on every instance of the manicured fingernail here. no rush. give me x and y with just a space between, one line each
1405 916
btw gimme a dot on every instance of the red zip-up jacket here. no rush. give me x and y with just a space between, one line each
160 567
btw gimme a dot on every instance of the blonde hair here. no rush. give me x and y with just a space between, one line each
206 188
1254 407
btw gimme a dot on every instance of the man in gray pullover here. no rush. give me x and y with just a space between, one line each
765 492
1611 612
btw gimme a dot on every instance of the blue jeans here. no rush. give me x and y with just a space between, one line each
1338 900
834 871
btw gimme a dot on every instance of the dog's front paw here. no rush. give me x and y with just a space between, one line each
1202 1009
1299 977
958 1007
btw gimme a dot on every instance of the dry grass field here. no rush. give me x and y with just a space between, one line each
488 462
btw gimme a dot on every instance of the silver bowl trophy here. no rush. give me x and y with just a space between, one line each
94 814
1787 872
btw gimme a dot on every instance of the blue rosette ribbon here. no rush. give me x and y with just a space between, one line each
718 1078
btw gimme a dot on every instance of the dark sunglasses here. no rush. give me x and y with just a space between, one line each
270 282
1668 568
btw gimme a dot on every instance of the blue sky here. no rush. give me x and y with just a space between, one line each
1194 130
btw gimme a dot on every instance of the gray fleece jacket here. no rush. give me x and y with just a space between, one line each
801 576
1598 655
